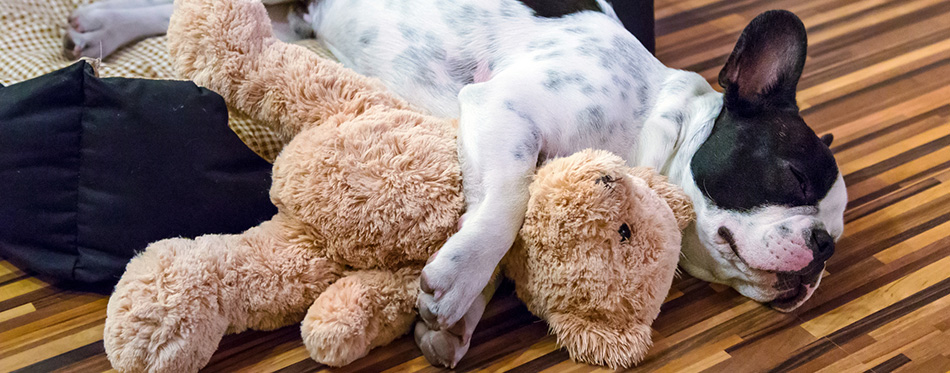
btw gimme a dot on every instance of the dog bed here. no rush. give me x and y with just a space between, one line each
93 170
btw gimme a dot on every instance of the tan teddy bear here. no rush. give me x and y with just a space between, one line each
367 189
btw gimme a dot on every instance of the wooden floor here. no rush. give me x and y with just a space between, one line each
877 76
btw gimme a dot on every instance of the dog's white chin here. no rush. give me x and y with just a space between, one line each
713 261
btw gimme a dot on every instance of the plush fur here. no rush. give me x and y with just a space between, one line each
367 189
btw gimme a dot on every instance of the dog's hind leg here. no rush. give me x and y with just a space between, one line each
290 20
97 31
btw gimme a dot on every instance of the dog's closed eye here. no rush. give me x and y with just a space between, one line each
802 181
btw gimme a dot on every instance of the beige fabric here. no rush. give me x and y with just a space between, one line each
31 44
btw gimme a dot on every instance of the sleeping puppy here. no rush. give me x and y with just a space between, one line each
531 80
527 88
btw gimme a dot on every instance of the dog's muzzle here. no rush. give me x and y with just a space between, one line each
796 286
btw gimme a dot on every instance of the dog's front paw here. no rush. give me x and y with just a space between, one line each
449 284
442 347
447 346
455 286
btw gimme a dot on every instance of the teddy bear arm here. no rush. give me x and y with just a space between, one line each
178 298
361 311
230 48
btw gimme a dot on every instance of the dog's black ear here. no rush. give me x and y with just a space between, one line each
764 67
827 139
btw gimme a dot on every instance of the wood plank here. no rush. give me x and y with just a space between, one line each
703 357
878 299
53 347
18 288
16 312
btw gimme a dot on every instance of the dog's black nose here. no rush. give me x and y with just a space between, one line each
822 244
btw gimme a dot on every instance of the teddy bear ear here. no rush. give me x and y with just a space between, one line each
674 196
680 204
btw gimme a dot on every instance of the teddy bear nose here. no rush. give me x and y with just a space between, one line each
822 244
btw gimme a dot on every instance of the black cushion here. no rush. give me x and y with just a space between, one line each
92 170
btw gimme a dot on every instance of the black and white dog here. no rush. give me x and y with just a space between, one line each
767 192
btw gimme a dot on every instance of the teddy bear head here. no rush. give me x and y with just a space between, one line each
597 252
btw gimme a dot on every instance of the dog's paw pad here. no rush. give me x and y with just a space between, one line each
442 347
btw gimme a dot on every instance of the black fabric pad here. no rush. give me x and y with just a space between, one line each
92 170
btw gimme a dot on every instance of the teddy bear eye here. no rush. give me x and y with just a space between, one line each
607 180
624 232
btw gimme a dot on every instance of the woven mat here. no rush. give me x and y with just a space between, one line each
31 44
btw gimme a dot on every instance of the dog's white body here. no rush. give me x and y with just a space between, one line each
421 55
527 89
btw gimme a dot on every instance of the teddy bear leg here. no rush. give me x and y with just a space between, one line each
179 297
281 270
361 311
159 319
